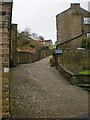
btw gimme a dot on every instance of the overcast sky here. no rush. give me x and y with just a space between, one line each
40 15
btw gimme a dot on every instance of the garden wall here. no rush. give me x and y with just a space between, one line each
75 61
72 77
27 57
24 57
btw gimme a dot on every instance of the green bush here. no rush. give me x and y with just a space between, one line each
26 42
32 45
85 43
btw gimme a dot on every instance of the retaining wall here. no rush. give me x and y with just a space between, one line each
75 60
73 78
24 57
27 57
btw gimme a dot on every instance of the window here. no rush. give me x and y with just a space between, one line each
86 20
2 13
88 35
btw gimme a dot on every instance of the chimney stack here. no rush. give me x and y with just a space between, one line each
75 5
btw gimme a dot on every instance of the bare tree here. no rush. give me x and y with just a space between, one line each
34 36
27 31
41 38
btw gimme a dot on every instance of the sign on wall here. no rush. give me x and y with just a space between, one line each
58 51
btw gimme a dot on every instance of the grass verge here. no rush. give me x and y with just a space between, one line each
86 72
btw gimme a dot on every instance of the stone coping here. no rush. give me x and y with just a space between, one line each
69 72
72 77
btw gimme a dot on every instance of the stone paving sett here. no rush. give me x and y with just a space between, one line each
40 91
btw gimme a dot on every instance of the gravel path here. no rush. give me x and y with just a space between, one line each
40 91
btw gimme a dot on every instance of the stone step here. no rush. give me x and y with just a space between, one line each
85 86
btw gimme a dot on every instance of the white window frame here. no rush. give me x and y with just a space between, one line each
86 20
88 35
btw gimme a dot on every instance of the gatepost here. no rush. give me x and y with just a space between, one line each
5 23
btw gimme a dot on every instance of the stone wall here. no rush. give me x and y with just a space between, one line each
75 61
44 53
35 57
73 78
23 57
27 57
71 45
13 45
5 21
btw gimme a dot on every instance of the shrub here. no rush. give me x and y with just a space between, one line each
85 43
32 45
53 62
26 42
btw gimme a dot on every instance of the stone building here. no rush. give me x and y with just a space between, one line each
72 26
48 43
13 45
5 25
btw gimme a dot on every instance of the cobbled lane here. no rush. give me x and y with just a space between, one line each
38 90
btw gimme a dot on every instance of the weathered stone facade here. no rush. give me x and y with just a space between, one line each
48 43
28 57
5 22
13 45
71 24
71 44
24 57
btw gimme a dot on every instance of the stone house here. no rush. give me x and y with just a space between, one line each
5 27
73 25
48 43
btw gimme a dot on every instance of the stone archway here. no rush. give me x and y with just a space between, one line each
5 27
